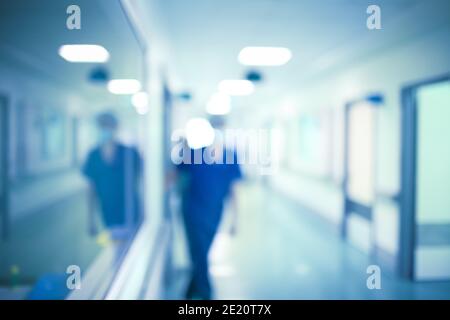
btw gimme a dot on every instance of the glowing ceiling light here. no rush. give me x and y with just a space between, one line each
124 86
236 87
219 104
140 99
199 133
264 56
84 53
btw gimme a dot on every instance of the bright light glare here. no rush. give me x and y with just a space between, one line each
199 133
219 104
140 102
264 56
236 87
84 53
140 99
142 110
124 86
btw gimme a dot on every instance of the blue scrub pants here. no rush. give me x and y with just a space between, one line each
201 225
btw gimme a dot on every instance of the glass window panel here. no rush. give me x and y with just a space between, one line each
433 154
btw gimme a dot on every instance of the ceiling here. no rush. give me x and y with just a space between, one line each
207 35
31 31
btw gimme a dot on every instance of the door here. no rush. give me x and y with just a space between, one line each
425 229
359 174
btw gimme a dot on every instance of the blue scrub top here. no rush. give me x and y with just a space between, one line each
116 182
208 186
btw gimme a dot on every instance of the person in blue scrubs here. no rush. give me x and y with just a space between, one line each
113 171
207 188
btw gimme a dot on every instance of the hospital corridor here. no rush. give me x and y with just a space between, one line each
225 150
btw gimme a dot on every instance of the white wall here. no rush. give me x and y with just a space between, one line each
425 56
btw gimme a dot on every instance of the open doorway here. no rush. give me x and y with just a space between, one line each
360 170
425 206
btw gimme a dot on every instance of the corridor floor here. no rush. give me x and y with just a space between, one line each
281 251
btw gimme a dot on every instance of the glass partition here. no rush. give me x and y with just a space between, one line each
75 146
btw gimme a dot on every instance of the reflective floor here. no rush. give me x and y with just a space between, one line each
39 237
275 255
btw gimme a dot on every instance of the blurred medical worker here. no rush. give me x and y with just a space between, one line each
113 171
208 185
